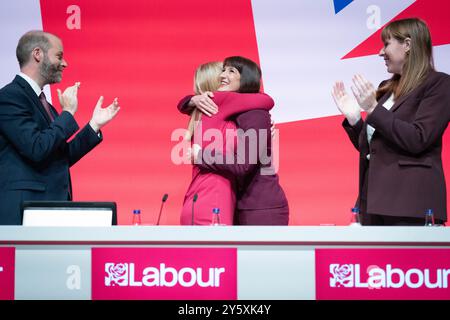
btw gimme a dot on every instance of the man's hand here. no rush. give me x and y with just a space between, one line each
102 116
346 105
69 99
204 103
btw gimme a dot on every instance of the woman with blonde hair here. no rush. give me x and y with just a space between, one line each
206 79
209 190
400 141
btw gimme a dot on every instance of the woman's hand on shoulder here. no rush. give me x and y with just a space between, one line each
204 103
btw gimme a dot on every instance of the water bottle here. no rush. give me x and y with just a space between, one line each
355 222
215 217
429 218
136 217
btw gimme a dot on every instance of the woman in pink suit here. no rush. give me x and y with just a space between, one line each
209 190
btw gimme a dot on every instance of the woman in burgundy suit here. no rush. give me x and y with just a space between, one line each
260 200
209 189
400 141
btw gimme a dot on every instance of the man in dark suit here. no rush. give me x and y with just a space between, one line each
34 153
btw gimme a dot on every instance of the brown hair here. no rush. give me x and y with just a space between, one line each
418 61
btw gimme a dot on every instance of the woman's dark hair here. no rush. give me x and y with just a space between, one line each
249 71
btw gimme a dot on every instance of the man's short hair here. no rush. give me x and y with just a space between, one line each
28 42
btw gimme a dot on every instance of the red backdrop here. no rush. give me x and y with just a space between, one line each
145 53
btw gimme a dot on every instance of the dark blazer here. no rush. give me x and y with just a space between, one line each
260 199
260 190
34 153
404 176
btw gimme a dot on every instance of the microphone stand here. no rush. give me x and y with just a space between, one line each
160 209
193 203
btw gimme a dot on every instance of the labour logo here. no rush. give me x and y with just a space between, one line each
341 275
117 274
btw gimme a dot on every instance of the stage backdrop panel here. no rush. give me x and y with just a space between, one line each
145 53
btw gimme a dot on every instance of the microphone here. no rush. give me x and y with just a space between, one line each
164 199
193 202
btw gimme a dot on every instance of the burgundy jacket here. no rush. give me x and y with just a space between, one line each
256 190
404 176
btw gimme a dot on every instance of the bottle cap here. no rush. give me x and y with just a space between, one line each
136 211
216 210
355 209
429 211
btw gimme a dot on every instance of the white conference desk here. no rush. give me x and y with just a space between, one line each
273 262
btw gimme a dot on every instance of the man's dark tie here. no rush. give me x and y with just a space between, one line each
46 105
